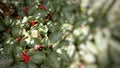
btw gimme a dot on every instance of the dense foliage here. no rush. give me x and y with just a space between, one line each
59 34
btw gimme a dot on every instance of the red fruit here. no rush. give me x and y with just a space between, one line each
18 39
42 7
38 47
24 53
25 56
26 9
32 23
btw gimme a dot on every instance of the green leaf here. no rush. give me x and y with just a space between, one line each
7 21
43 13
20 65
54 27
54 37
17 52
1 45
38 58
31 65
8 49
32 10
61 44
5 61
23 43
64 56
2 27
31 3
79 22
115 55
67 10
39 13
52 61
36 41
16 31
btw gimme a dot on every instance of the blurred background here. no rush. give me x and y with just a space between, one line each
96 43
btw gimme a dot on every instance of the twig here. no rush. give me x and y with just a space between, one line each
109 8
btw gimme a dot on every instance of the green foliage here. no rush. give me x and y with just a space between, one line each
2 27
59 34
52 61
31 65
19 65
38 58
6 60
54 37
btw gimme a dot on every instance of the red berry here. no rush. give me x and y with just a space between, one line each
26 9
25 56
18 39
32 23
38 47
24 53
42 7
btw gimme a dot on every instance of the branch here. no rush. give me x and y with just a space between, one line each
109 8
